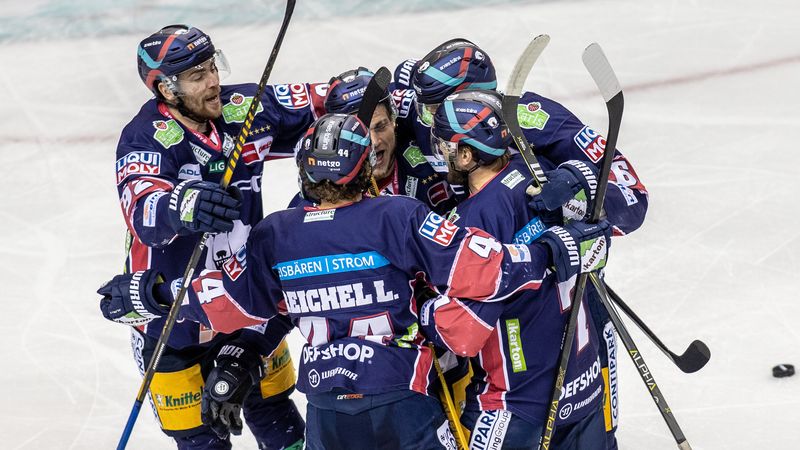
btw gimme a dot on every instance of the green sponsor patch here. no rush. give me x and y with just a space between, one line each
414 156
515 346
532 116
216 166
235 110
406 340
168 132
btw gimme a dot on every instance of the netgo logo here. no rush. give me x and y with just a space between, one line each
292 96
591 143
438 229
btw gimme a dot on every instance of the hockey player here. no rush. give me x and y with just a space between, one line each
170 159
400 168
557 136
341 272
515 354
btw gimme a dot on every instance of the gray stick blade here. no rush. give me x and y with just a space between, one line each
598 66
523 66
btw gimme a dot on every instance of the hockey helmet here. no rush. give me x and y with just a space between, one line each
334 148
453 66
172 50
472 117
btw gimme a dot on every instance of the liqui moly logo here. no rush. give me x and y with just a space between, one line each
292 96
591 143
438 229
146 163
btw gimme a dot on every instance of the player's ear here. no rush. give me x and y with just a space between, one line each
166 92
465 155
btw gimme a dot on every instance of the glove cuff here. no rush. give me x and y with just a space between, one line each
584 174
146 286
242 353
180 210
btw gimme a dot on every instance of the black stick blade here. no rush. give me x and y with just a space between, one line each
694 358
377 90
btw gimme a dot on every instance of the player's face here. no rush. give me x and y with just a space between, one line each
199 87
381 132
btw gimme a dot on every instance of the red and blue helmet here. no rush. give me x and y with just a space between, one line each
346 90
170 51
334 148
453 66
473 117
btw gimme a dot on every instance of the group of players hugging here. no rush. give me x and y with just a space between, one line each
410 229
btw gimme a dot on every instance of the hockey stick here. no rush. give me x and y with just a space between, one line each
644 371
172 317
511 102
603 75
376 90
697 355
694 358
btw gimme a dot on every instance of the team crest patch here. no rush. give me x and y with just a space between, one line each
236 265
591 143
512 179
235 110
145 163
438 229
168 132
414 156
227 145
532 116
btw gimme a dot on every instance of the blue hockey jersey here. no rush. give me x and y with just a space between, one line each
156 152
344 276
515 343
557 135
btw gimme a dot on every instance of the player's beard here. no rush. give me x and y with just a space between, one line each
457 177
201 108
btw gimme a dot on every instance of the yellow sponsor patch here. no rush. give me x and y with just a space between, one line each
280 372
177 396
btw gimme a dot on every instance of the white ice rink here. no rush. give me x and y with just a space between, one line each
711 124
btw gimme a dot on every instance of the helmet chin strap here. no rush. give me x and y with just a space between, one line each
459 176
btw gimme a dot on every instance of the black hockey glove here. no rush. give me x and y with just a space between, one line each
571 188
577 247
237 369
203 207
135 298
